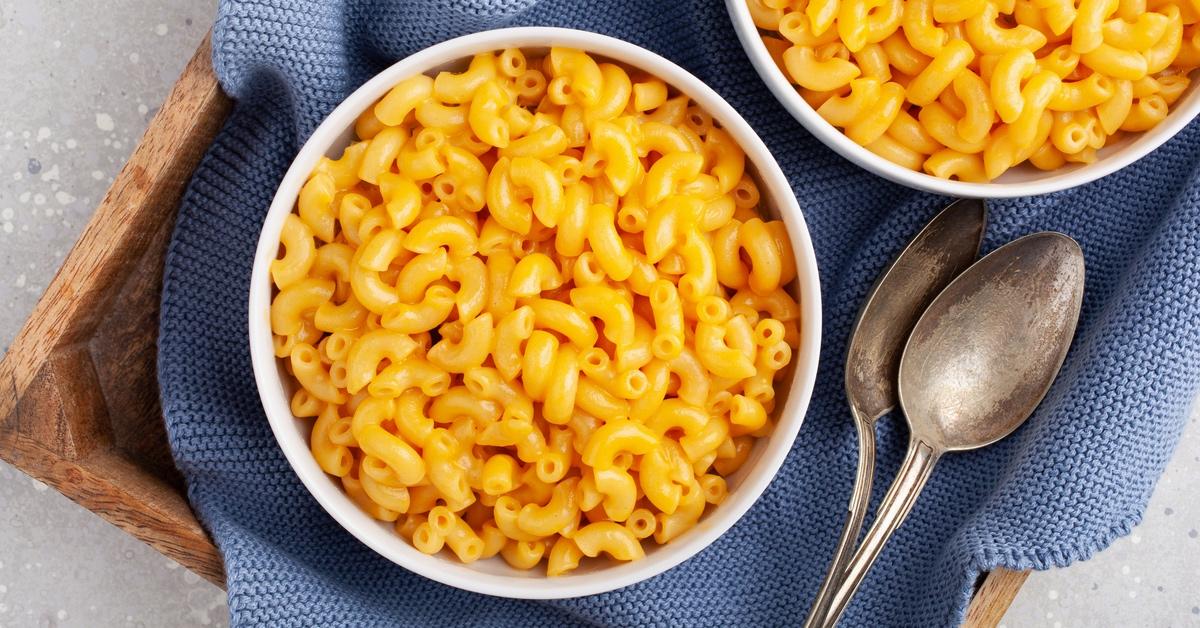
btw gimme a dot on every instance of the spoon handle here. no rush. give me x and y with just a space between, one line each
859 502
913 474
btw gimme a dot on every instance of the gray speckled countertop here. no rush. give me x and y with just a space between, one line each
81 82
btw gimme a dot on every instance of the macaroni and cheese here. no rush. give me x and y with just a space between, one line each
968 89
533 311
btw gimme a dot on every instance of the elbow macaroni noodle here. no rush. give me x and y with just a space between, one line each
534 311
968 89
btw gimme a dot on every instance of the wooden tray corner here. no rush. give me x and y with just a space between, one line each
78 387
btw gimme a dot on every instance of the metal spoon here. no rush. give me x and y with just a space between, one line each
979 360
942 250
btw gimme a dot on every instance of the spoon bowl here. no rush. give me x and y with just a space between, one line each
984 354
938 254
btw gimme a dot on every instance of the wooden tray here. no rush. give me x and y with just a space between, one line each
78 388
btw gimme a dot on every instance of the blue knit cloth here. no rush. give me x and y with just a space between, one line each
1077 476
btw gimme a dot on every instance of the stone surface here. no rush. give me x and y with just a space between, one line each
81 82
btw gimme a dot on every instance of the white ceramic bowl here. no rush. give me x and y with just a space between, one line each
493 576
1023 180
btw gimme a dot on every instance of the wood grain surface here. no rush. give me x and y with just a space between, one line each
993 597
79 405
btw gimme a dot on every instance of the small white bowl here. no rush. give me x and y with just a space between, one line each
1023 180
493 576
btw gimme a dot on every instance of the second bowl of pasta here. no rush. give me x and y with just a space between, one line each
535 303
987 98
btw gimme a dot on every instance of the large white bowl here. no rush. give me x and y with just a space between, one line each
493 576
1023 180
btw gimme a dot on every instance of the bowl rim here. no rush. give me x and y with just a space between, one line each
1140 146
293 439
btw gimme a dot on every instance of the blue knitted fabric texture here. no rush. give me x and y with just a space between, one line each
1077 476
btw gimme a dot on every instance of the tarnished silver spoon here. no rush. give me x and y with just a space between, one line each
942 250
979 360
